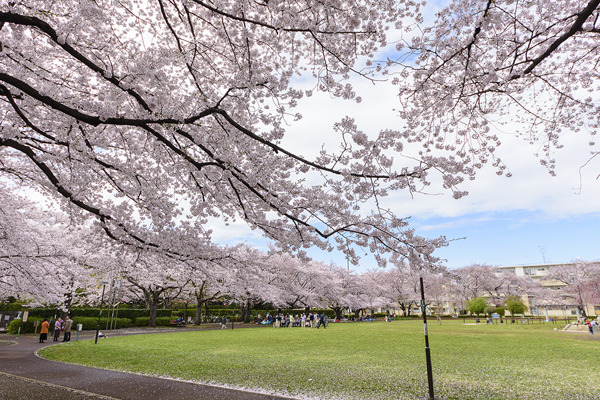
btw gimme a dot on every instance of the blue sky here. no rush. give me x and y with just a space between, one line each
516 237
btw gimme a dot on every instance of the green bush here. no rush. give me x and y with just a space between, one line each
163 321
131 313
142 321
477 305
91 323
160 321
26 327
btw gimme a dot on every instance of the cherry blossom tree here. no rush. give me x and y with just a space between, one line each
250 279
481 280
206 286
438 290
153 276
300 282
340 289
157 117
403 287
484 64
42 255
373 293
579 282
592 287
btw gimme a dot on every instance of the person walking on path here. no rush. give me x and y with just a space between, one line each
58 326
224 323
68 326
44 331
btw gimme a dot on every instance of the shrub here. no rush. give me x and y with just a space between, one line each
490 309
142 321
477 305
163 321
515 305
131 313
91 323
160 321
26 327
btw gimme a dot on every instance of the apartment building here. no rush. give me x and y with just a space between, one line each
547 308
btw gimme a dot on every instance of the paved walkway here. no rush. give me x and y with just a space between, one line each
23 375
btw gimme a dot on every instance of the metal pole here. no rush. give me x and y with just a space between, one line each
116 317
118 297
100 314
185 313
112 304
427 353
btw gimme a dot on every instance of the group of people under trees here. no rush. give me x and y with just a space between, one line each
312 320
59 326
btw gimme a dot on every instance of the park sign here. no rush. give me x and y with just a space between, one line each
495 316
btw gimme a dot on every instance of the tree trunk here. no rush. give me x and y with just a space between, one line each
403 308
198 314
245 312
338 312
153 309
206 312
152 300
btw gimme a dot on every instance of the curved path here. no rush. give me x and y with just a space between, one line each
23 375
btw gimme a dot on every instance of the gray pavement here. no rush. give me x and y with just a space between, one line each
23 375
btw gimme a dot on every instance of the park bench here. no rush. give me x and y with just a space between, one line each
175 322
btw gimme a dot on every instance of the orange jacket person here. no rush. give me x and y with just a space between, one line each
44 331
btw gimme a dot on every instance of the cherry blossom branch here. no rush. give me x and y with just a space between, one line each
582 16
265 25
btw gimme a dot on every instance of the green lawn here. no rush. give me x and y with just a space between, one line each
363 360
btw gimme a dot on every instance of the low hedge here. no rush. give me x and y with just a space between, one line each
160 321
131 313
91 323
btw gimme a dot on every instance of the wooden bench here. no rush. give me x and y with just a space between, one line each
175 322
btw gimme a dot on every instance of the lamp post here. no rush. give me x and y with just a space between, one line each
427 352
100 314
